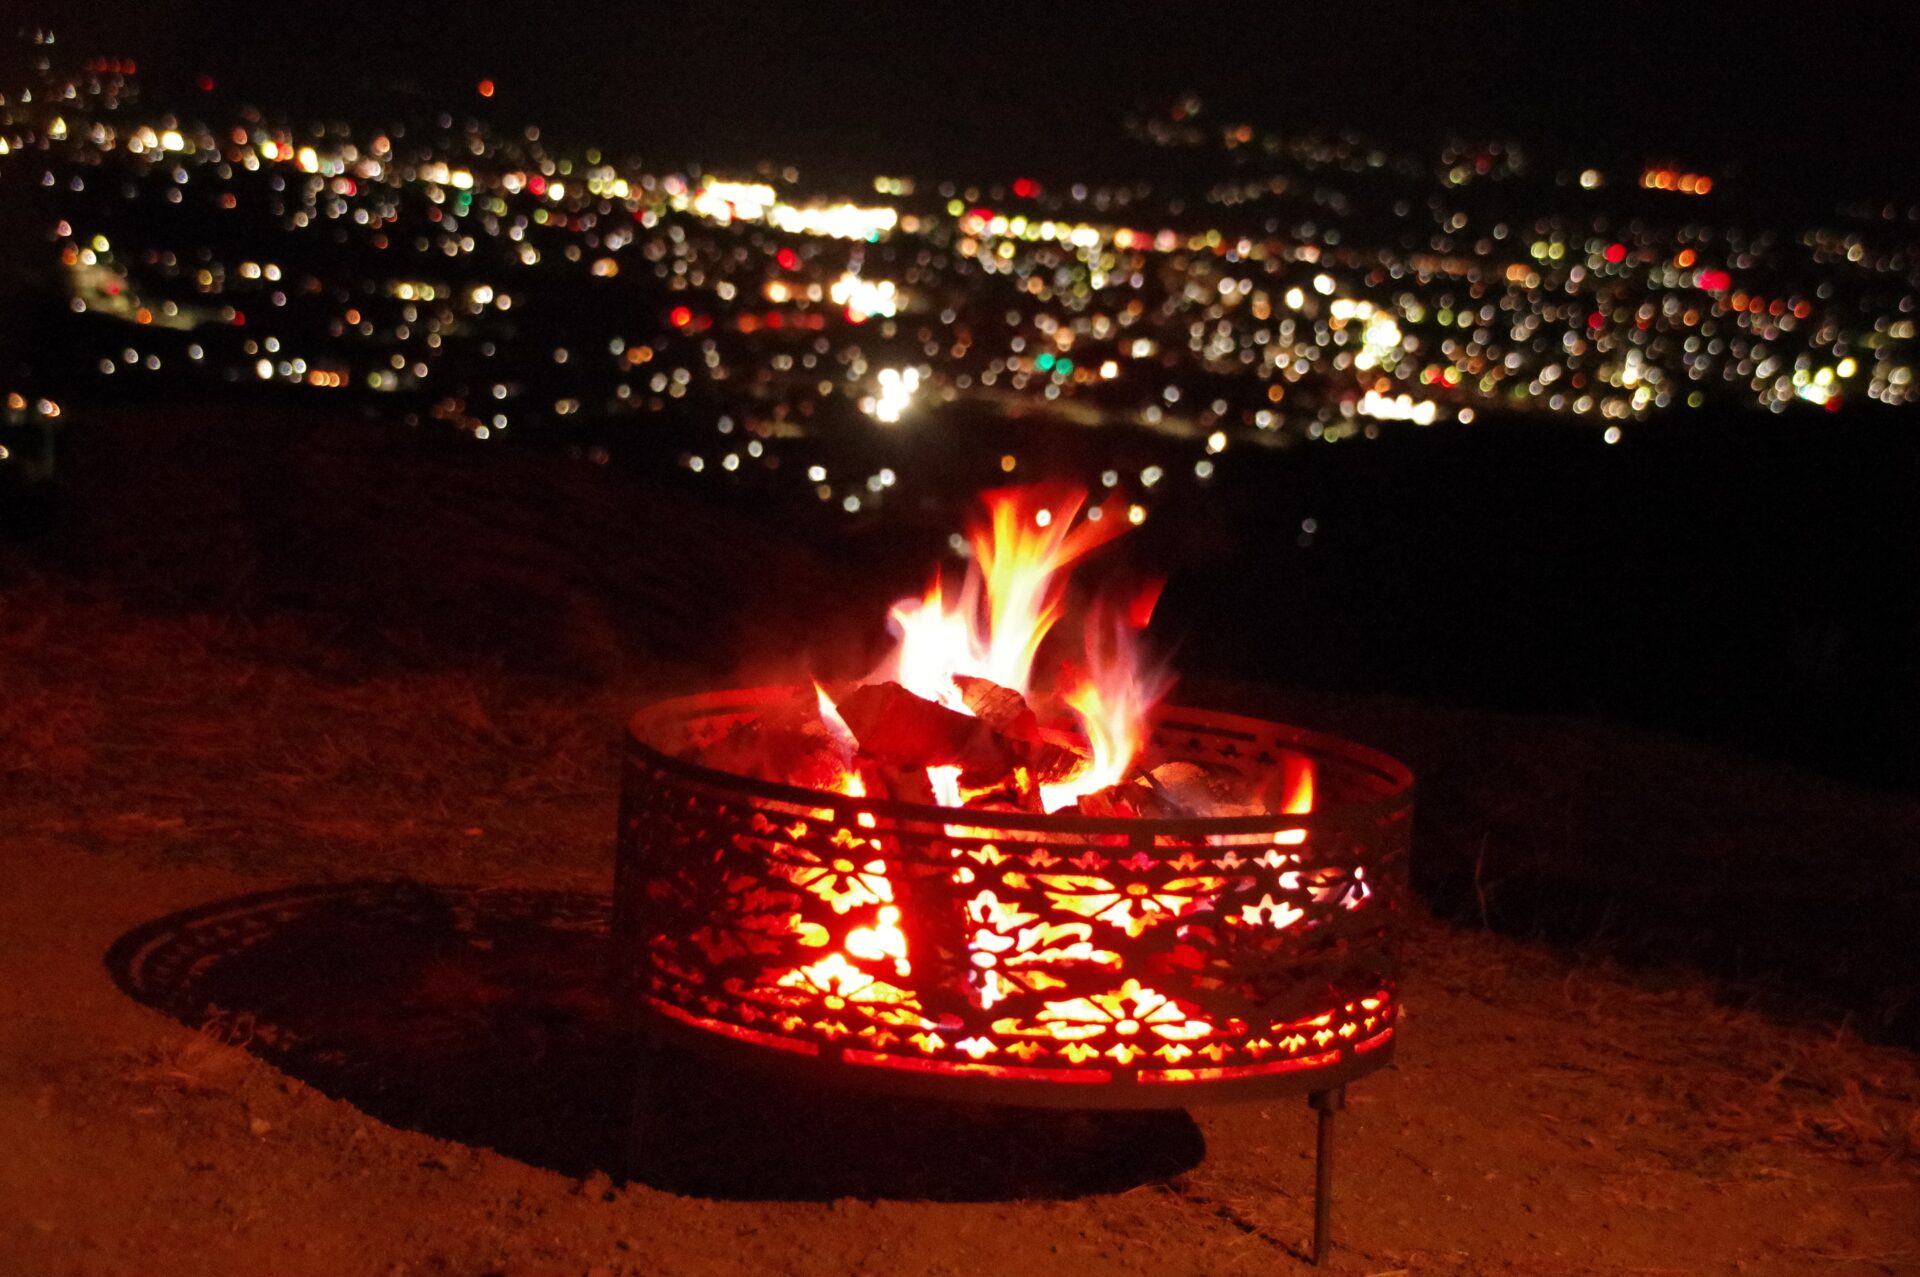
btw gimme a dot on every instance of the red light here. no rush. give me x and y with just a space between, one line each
680 317
1616 253
486 88
206 83
1715 280
1026 188
537 184
1596 319
788 259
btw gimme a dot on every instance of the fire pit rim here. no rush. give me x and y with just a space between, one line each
1396 775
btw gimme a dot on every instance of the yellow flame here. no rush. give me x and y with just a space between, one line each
1112 702
1010 599
1031 538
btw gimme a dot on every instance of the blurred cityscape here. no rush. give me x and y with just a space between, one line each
753 328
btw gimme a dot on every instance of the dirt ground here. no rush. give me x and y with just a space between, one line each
301 972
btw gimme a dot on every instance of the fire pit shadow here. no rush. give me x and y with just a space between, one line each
486 1017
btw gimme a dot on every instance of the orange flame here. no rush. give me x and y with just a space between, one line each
1031 540
1298 797
1009 602
1112 701
1011 597
937 642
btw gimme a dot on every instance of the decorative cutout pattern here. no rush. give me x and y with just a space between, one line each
1102 952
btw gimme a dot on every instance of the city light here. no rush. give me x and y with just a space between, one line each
897 387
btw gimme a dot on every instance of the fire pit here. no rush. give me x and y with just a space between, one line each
1013 958
949 881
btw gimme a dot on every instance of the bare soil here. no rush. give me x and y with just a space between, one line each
302 960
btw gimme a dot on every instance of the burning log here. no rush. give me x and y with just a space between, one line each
905 732
789 743
1001 708
1189 789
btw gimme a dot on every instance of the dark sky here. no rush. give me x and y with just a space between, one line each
1821 94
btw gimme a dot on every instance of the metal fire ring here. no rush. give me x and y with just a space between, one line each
1016 958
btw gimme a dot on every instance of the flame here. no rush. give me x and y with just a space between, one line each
1297 799
1010 599
938 641
848 782
1112 701
1030 540
946 786
843 738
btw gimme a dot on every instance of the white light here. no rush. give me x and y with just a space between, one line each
1398 408
897 388
722 201
839 221
865 298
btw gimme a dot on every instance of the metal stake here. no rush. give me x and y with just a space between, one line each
641 1106
1326 1104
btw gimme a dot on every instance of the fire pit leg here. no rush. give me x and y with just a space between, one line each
641 1100
1326 1104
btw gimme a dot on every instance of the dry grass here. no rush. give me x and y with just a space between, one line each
211 1061
1677 1055
223 741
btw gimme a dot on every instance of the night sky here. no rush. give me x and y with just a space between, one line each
1815 97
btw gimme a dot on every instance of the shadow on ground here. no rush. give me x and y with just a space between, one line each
486 1017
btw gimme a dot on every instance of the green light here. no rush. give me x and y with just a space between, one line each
1044 361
